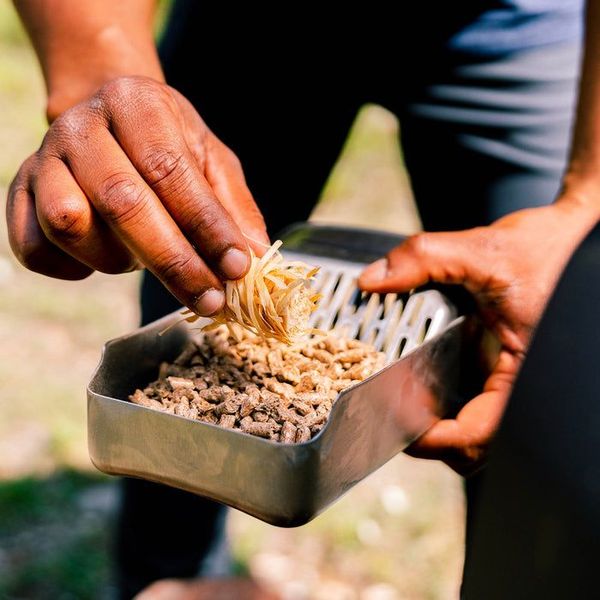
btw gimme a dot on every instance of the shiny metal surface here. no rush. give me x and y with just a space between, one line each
394 323
286 485
283 485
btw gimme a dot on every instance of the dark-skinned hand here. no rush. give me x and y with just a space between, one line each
510 268
133 177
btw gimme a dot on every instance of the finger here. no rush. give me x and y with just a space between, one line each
463 446
450 436
224 172
475 425
151 136
449 257
27 240
133 211
69 221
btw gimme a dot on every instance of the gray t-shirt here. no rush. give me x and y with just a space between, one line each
499 26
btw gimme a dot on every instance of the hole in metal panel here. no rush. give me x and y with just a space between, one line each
394 323
336 285
401 347
358 297
336 316
426 327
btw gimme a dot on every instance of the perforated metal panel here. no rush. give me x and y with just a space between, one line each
394 324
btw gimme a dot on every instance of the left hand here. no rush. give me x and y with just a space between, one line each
510 268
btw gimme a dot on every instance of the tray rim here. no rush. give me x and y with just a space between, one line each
312 442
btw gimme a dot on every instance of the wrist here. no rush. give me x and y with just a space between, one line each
581 193
581 183
110 54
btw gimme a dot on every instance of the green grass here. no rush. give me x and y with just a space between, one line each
53 545
31 499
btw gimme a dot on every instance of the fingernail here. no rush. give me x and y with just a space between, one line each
234 263
259 241
261 236
210 302
375 271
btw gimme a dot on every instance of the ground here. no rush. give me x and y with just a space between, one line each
397 535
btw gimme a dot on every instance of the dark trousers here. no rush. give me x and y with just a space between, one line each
480 138
537 531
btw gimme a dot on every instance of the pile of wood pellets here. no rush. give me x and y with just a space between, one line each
260 386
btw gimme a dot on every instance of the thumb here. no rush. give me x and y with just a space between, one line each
448 257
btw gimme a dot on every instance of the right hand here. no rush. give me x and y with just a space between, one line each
133 177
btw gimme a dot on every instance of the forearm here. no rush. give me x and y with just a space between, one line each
81 45
582 180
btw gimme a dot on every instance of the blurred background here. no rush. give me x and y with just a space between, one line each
396 536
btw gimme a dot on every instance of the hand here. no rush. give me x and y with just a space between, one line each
130 177
510 268
206 589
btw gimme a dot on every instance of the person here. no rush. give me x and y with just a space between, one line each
142 167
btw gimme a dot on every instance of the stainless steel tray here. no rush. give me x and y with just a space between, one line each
285 485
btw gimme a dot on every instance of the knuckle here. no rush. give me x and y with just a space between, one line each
235 161
71 123
129 91
29 166
176 269
74 125
20 183
65 221
121 199
206 217
162 165
97 108
118 90
231 158
417 244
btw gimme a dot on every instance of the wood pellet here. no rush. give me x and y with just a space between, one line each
262 387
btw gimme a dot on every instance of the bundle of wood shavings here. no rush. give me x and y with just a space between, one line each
273 300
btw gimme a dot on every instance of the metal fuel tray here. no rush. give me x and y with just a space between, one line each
288 485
